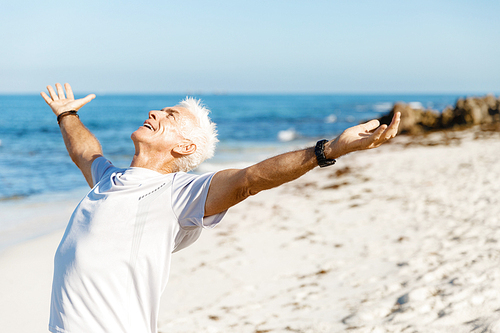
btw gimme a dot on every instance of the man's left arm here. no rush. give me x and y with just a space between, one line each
229 187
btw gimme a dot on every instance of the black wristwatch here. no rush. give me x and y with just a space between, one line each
319 150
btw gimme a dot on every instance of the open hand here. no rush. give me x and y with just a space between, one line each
365 136
59 102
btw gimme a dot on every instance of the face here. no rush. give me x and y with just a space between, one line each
163 129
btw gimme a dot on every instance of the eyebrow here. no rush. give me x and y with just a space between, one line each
170 110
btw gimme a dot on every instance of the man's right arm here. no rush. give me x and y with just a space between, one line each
229 187
82 145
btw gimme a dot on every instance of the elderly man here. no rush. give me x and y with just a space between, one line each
113 261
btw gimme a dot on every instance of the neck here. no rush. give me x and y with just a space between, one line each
158 164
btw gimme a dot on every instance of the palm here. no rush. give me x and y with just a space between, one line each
66 104
59 102
359 137
364 136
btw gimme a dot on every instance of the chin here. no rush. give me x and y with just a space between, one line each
136 135
142 136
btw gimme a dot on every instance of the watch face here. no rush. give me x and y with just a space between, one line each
319 151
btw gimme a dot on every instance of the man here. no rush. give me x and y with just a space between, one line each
113 261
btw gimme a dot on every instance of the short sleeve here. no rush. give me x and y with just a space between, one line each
189 194
99 168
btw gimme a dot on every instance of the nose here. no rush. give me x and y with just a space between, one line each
154 114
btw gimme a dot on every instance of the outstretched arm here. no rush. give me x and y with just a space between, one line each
82 146
229 187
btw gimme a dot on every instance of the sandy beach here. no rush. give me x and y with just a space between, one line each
404 238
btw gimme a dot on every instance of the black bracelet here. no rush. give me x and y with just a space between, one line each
64 114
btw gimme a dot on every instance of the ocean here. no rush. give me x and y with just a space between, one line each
35 167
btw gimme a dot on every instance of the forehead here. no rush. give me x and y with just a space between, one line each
181 111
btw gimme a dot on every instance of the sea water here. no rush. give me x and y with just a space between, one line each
34 164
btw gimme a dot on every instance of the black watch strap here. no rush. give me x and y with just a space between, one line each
319 150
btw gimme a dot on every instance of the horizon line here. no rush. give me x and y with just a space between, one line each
263 93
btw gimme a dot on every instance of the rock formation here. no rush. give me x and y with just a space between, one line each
467 112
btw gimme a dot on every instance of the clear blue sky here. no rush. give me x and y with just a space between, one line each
251 46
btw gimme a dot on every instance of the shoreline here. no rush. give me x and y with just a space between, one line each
35 216
249 127
403 236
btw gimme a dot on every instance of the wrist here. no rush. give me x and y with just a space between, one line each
332 150
64 114
321 157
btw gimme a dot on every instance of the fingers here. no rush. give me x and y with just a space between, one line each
52 93
88 98
371 125
69 91
390 131
60 91
59 103
76 105
393 127
382 133
378 133
47 99
368 135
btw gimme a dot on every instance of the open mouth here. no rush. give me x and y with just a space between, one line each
148 126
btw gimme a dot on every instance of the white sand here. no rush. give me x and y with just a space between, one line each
405 241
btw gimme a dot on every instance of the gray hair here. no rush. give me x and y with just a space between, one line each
203 135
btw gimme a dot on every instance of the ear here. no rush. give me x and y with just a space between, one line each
186 147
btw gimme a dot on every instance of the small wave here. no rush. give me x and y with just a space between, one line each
361 107
331 119
288 135
416 105
382 107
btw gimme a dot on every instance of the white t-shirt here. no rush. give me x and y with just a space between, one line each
113 261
